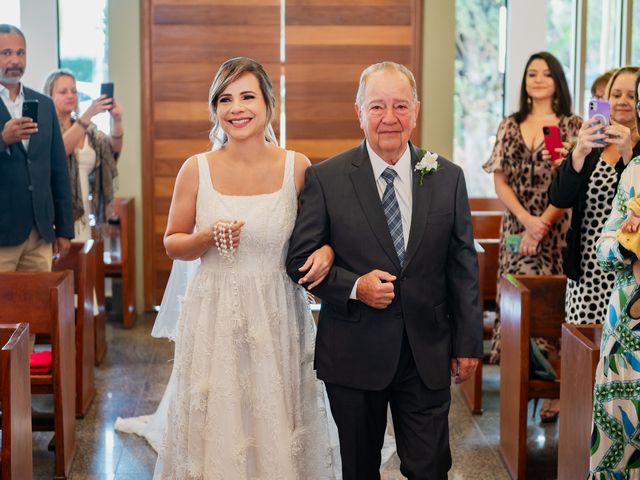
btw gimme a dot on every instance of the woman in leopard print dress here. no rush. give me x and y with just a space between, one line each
522 174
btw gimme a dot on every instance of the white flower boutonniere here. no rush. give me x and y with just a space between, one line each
427 164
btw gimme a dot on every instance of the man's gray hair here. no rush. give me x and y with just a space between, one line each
376 67
7 28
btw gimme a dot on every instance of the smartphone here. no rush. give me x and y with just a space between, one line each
512 243
600 109
30 109
552 140
106 89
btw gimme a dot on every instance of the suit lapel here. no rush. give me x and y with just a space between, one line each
420 207
364 185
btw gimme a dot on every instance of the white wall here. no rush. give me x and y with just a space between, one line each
124 71
436 109
526 34
39 23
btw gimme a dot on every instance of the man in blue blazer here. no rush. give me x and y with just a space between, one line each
35 192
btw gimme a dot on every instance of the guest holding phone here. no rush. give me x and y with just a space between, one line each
92 153
522 175
35 199
586 183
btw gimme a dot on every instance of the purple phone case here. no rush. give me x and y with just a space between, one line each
600 109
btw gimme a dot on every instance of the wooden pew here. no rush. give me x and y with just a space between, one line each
580 355
486 216
81 261
472 388
45 300
122 264
100 318
15 392
530 306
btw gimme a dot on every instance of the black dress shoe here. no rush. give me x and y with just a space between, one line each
633 304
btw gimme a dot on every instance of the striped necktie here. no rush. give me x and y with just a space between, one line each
392 212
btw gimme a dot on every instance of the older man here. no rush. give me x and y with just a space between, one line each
35 193
400 307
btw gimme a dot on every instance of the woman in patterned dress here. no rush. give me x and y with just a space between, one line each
587 182
615 449
522 176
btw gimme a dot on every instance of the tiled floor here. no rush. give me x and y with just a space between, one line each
131 382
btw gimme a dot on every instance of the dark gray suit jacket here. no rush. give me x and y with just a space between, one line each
34 184
437 298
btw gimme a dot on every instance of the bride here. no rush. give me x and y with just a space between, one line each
246 403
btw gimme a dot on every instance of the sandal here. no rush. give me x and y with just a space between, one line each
550 411
549 416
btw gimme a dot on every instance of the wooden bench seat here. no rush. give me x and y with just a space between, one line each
580 355
100 316
81 261
45 301
121 263
530 306
15 392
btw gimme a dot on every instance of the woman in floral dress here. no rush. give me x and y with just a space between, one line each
615 434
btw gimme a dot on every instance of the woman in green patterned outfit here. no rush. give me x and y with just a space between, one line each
615 434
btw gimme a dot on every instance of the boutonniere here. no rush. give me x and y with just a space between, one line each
428 163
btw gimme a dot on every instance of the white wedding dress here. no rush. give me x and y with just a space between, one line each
246 403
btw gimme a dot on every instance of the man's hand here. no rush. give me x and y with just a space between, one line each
18 129
375 289
317 266
463 368
61 247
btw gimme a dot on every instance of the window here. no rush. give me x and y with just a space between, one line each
560 34
83 42
635 34
479 87
604 30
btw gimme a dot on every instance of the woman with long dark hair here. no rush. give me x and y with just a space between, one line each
532 231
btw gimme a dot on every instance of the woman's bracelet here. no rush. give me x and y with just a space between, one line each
82 124
117 137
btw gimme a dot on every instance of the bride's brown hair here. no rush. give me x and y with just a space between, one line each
228 73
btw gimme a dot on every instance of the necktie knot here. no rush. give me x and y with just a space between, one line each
389 175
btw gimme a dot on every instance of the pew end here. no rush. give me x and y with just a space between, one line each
530 306
45 300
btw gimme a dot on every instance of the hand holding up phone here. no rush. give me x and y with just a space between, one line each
18 129
620 136
590 136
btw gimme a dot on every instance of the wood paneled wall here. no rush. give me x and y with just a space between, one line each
328 43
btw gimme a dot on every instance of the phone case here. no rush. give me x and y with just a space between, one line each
512 242
107 89
552 140
30 109
600 109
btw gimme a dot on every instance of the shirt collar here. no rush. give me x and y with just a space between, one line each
4 92
402 166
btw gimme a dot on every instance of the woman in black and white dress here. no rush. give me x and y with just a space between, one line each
587 182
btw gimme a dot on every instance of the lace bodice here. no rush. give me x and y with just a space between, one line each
269 221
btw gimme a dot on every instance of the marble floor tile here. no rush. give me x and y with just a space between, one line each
131 382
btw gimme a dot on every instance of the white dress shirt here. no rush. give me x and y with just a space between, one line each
14 107
403 186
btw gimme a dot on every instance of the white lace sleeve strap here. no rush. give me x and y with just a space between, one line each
204 176
289 171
